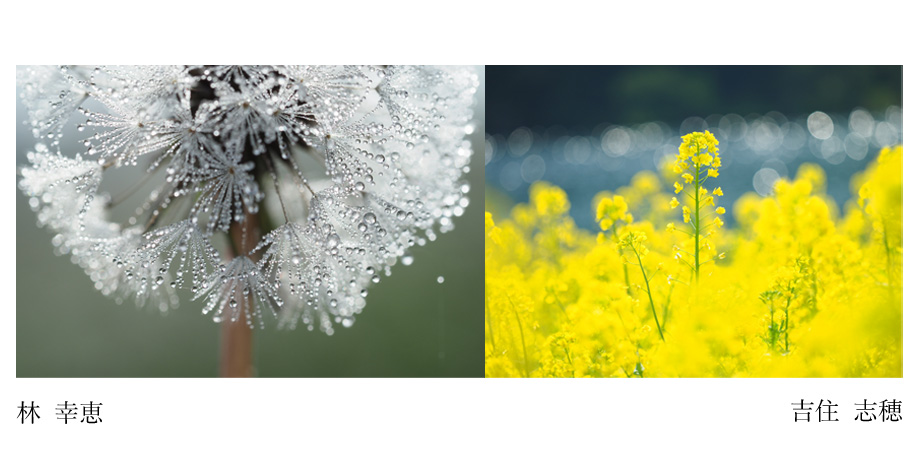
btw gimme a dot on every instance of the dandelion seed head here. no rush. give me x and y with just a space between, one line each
342 169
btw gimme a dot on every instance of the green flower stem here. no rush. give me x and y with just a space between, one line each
523 344
568 356
648 290
667 306
616 239
786 323
489 317
696 225
772 328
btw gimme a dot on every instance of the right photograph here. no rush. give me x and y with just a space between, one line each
694 221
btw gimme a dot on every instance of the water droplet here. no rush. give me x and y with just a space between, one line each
440 280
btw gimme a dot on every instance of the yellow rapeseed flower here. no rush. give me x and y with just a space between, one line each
492 230
613 208
634 240
564 302
549 200
610 210
602 207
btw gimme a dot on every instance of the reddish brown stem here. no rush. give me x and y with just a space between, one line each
236 336
236 349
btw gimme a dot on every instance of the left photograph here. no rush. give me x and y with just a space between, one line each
249 221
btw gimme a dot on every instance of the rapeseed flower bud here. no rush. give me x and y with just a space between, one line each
614 208
549 200
610 210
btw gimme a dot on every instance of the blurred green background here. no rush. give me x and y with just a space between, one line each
411 327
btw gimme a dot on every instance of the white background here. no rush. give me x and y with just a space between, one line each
460 418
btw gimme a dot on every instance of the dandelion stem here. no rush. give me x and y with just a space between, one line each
236 336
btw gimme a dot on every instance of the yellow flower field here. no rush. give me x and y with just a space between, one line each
796 288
